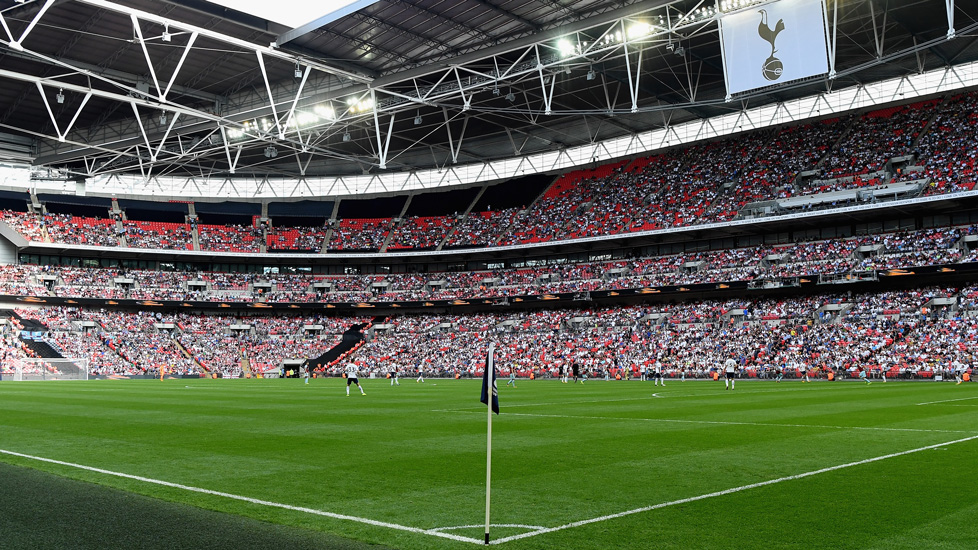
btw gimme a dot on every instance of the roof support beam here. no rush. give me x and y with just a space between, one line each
18 44
949 4
244 45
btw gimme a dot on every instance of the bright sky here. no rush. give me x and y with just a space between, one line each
294 13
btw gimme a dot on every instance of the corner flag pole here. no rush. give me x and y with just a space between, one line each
490 364
488 466
490 396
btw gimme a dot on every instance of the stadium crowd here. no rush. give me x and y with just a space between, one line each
916 333
699 183
127 343
843 257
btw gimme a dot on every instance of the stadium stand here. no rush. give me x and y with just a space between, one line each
841 257
903 151
895 152
913 333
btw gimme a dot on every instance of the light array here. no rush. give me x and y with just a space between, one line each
636 31
569 47
360 105
734 5
699 14
251 127
301 119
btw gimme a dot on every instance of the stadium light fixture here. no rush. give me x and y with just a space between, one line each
60 97
166 33
590 74
359 105
162 118
734 5
325 111
346 136
511 97
565 47
638 30
298 71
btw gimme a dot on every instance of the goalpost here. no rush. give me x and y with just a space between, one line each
32 368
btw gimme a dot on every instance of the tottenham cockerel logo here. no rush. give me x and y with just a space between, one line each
772 68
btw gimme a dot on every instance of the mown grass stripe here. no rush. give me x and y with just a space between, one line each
244 498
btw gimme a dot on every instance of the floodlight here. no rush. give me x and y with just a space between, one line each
590 74
566 47
163 118
346 136
511 97
417 120
298 71
166 33
60 97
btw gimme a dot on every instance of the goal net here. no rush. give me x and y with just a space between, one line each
46 369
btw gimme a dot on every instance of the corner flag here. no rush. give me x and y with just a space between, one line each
490 367
494 408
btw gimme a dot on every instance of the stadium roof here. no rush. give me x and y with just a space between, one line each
181 88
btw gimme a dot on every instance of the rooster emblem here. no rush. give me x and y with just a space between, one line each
772 68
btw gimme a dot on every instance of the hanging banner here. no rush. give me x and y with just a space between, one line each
773 43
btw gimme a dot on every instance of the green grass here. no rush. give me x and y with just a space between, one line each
414 456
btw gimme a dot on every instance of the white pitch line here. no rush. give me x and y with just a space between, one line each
270 504
483 525
948 400
725 492
724 422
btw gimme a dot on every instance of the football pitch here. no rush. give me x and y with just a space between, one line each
598 465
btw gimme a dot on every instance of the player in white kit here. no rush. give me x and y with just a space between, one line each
353 377
729 370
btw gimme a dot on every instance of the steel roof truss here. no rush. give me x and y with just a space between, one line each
6 29
142 129
166 134
149 61
243 44
879 31
633 81
295 101
47 105
18 44
382 148
183 57
271 99
949 5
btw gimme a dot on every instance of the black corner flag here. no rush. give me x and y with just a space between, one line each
490 367
493 408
